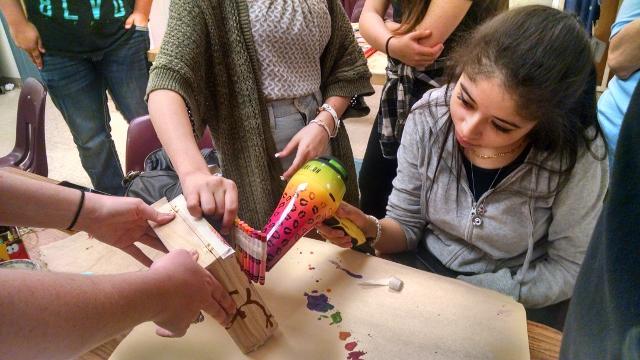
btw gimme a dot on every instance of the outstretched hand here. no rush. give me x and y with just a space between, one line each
186 288
120 222
310 142
208 194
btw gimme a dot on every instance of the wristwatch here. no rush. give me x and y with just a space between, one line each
328 108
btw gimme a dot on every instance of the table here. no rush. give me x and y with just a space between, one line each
544 342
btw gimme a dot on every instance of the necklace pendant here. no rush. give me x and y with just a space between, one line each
480 210
476 220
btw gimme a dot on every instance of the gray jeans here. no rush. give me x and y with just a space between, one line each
288 116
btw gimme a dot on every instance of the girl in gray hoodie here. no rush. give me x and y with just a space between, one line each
502 173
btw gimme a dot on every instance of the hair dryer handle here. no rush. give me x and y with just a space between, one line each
349 228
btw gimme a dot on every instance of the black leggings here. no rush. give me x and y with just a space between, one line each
376 175
377 172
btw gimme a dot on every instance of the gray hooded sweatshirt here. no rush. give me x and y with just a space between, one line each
534 234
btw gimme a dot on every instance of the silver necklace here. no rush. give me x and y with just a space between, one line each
478 209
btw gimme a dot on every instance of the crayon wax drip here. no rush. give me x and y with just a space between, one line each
351 345
319 303
339 267
356 355
336 318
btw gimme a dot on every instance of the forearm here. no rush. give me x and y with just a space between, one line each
624 51
143 7
63 315
339 104
392 237
442 18
29 202
13 12
372 25
171 121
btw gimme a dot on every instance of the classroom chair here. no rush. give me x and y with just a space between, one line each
29 152
142 140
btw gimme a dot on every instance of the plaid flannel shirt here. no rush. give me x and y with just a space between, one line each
396 101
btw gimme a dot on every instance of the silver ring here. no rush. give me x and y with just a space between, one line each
199 319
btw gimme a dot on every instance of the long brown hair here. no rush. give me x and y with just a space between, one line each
543 57
413 11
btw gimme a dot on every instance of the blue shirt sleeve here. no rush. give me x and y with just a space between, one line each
629 11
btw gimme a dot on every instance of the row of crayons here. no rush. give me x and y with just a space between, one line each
251 248
370 51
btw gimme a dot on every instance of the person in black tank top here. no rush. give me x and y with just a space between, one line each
84 49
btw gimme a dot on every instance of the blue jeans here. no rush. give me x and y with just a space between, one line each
78 88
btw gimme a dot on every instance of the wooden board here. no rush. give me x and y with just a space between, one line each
81 254
431 318
253 323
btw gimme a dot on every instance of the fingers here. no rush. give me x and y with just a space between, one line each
301 158
193 204
172 334
289 148
151 214
346 210
335 236
221 307
217 312
36 57
40 46
221 296
208 201
129 22
419 35
194 255
230 207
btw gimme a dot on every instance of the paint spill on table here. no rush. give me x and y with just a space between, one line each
336 318
356 355
318 302
347 271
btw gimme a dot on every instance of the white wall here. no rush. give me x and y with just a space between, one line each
8 66
158 21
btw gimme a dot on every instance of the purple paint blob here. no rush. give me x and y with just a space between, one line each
356 355
319 303
339 267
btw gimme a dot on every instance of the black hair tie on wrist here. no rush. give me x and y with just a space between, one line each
77 215
386 45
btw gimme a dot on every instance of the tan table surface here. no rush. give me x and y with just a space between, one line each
544 342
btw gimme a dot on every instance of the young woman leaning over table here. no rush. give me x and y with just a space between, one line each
502 173
417 43
270 79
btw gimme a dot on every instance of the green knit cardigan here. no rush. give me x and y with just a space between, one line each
208 56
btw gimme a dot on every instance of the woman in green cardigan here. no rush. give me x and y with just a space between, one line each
270 79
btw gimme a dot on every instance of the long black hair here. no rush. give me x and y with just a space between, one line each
542 56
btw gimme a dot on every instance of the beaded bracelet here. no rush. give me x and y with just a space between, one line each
378 230
323 124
